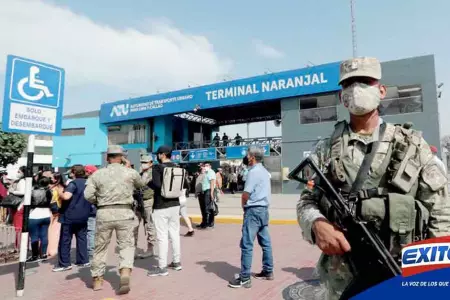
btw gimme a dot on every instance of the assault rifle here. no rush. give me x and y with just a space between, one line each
369 260
138 205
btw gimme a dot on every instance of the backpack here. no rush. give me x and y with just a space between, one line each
39 197
172 182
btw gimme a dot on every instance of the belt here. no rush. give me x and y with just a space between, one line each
116 206
366 194
256 206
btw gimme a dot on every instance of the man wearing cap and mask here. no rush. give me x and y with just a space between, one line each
147 195
350 150
111 190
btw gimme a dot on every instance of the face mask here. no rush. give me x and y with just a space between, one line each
361 98
20 175
207 168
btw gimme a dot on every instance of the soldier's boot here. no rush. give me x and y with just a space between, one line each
97 283
150 252
125 275
137 253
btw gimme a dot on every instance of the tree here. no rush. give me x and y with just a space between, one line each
445 142
11 147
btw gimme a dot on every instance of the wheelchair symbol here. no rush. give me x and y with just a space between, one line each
34 83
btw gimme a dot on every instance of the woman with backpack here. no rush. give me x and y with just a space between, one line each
39 220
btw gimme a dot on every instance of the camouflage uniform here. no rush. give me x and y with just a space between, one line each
429 190
111 190
148 204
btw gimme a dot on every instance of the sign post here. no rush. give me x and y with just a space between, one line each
32 104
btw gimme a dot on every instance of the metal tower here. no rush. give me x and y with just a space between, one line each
352 8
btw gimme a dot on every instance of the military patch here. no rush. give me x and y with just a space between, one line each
425 152
434 177
389 133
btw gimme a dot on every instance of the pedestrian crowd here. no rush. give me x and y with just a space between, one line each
92 203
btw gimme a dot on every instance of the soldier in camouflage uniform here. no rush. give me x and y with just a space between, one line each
111 190
146 175
403 166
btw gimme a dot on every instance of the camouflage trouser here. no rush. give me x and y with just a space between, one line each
149 227
125 242
334 275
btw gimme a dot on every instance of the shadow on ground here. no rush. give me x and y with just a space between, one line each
221 269
302 273
13 268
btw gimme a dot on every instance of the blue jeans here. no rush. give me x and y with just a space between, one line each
256 224
38 229
91 236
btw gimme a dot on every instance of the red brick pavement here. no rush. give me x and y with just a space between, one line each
209 259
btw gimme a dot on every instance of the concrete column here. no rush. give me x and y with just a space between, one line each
185 128
162 128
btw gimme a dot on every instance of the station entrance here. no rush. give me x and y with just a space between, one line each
206 142
189 119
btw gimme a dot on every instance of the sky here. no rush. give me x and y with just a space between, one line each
113 50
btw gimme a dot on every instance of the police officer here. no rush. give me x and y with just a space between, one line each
401 165
147 193
111 190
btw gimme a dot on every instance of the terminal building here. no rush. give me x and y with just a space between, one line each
304 102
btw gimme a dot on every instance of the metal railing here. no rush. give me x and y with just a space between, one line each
219 146
272 141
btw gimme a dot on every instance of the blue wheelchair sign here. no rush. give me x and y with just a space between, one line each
34 93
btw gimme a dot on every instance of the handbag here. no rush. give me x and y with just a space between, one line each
11 201
214 207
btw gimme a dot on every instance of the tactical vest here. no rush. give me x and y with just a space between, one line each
387 196
148 193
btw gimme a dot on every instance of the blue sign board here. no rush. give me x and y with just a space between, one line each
202 154
33 101
176 156
313 80
238 152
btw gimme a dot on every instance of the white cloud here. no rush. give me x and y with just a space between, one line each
136 62
267 51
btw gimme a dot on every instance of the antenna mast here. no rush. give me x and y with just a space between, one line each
352 8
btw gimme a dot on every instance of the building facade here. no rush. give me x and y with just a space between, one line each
306 104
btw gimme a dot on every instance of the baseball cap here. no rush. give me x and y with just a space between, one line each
360 67
164 149
433 149
90 169
115 149
146 158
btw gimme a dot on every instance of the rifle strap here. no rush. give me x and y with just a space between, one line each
363 171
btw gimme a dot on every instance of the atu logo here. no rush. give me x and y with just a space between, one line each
120 110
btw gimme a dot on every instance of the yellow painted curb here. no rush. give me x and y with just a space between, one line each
238 220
